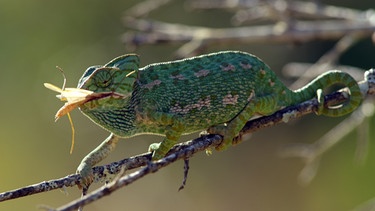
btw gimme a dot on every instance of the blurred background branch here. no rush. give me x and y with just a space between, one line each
273 21
298 39
106 173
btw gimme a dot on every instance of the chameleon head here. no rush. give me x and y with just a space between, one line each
107 86
110 84
99 85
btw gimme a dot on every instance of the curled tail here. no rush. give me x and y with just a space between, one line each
326 80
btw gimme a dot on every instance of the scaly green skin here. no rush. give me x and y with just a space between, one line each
219 92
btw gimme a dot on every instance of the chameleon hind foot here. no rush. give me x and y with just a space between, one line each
159 150
154 147
224 131
237 140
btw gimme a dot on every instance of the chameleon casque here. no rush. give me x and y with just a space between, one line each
217 92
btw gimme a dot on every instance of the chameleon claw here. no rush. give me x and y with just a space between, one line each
236 140
203 133
224 131
320 97
156 155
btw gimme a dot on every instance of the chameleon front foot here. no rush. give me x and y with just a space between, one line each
87 175
85 167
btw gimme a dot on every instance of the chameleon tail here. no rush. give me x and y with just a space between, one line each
327 80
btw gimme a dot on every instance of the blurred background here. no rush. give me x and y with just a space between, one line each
37 35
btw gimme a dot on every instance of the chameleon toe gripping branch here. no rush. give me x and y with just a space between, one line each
219 92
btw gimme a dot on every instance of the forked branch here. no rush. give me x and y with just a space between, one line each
180 151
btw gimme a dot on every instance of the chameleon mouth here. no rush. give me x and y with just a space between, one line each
76 97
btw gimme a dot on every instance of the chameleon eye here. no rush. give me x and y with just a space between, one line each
86 75
103 78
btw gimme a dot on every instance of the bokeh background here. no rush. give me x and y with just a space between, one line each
37 35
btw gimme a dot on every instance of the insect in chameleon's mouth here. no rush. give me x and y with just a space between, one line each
76 97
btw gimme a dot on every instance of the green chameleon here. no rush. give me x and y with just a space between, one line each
217 92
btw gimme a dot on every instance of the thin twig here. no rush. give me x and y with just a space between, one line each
311 153
144 8
302 31
181 151
328 59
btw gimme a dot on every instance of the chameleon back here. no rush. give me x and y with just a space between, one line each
201 91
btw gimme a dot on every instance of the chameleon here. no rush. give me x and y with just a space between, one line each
217 92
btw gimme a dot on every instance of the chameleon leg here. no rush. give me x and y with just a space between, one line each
94 157
262 105
172 135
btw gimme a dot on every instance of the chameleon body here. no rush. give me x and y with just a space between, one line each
217 92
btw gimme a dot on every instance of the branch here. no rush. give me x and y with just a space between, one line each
303 31
250 11
332 23
328 59
312 153
180 151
